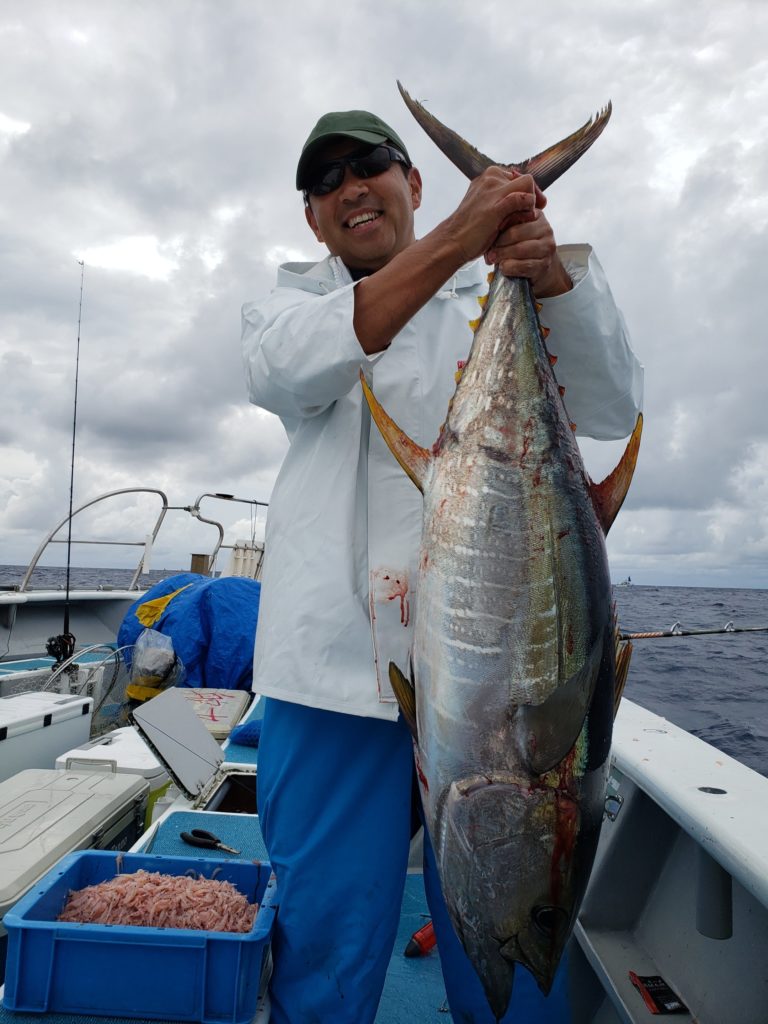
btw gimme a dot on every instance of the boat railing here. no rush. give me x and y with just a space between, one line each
147 542
240 557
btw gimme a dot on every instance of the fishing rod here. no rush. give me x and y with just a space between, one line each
677 630
62 647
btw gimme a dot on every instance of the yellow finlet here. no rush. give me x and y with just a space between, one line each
482 300
474 324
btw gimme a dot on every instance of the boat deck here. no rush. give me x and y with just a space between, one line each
414 988
679 889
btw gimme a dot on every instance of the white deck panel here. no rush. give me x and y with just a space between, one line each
675 769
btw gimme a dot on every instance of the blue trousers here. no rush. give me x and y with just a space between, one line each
334 797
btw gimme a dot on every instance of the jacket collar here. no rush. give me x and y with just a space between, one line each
320 278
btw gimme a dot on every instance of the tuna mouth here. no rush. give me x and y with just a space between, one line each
539 946
364 217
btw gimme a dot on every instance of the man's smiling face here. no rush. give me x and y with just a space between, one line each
365 221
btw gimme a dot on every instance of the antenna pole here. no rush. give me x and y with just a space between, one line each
74 434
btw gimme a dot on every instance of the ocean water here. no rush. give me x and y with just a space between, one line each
714 686
55 577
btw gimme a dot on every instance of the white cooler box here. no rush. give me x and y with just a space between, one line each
123 751
193 758
45 814
36 727
218 710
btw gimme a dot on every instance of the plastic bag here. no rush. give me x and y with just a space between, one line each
155 663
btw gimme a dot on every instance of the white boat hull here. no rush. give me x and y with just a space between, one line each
680 883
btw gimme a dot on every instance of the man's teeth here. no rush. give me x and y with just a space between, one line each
362 218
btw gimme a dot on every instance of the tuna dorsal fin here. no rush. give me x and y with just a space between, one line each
414 460
545 167
405 692
608 496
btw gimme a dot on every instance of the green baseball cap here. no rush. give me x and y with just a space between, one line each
351 124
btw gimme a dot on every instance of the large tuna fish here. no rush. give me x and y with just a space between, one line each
514 660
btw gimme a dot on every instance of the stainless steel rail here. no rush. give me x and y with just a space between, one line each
149 539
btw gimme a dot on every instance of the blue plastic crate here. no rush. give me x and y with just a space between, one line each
114 970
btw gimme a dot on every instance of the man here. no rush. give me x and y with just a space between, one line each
335 763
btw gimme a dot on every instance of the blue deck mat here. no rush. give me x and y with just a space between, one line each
413 993
240 831
239 753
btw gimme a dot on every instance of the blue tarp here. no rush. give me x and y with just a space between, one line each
212 623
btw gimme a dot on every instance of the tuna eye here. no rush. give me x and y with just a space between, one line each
548 919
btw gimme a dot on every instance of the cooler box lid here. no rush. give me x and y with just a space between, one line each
47 812
26 712
124 748
218 710
181 741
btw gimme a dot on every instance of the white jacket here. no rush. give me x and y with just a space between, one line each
344 520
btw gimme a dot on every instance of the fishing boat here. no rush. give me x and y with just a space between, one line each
677 905
35 622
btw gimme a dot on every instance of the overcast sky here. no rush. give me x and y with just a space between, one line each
158 141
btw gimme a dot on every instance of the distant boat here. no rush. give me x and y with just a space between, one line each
625 583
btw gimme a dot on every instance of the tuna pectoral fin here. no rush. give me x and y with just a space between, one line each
414 460
554 726
545 167
405 692
608 496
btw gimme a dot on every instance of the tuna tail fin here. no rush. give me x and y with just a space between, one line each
405 692
414 460
469 160
545 167
608 496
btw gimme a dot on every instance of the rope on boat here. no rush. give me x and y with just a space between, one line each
677 630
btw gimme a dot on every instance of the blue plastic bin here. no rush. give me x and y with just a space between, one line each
114 970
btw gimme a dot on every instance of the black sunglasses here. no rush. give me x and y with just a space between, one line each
328 177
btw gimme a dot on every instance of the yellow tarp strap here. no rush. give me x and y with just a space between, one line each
149 612
134 691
